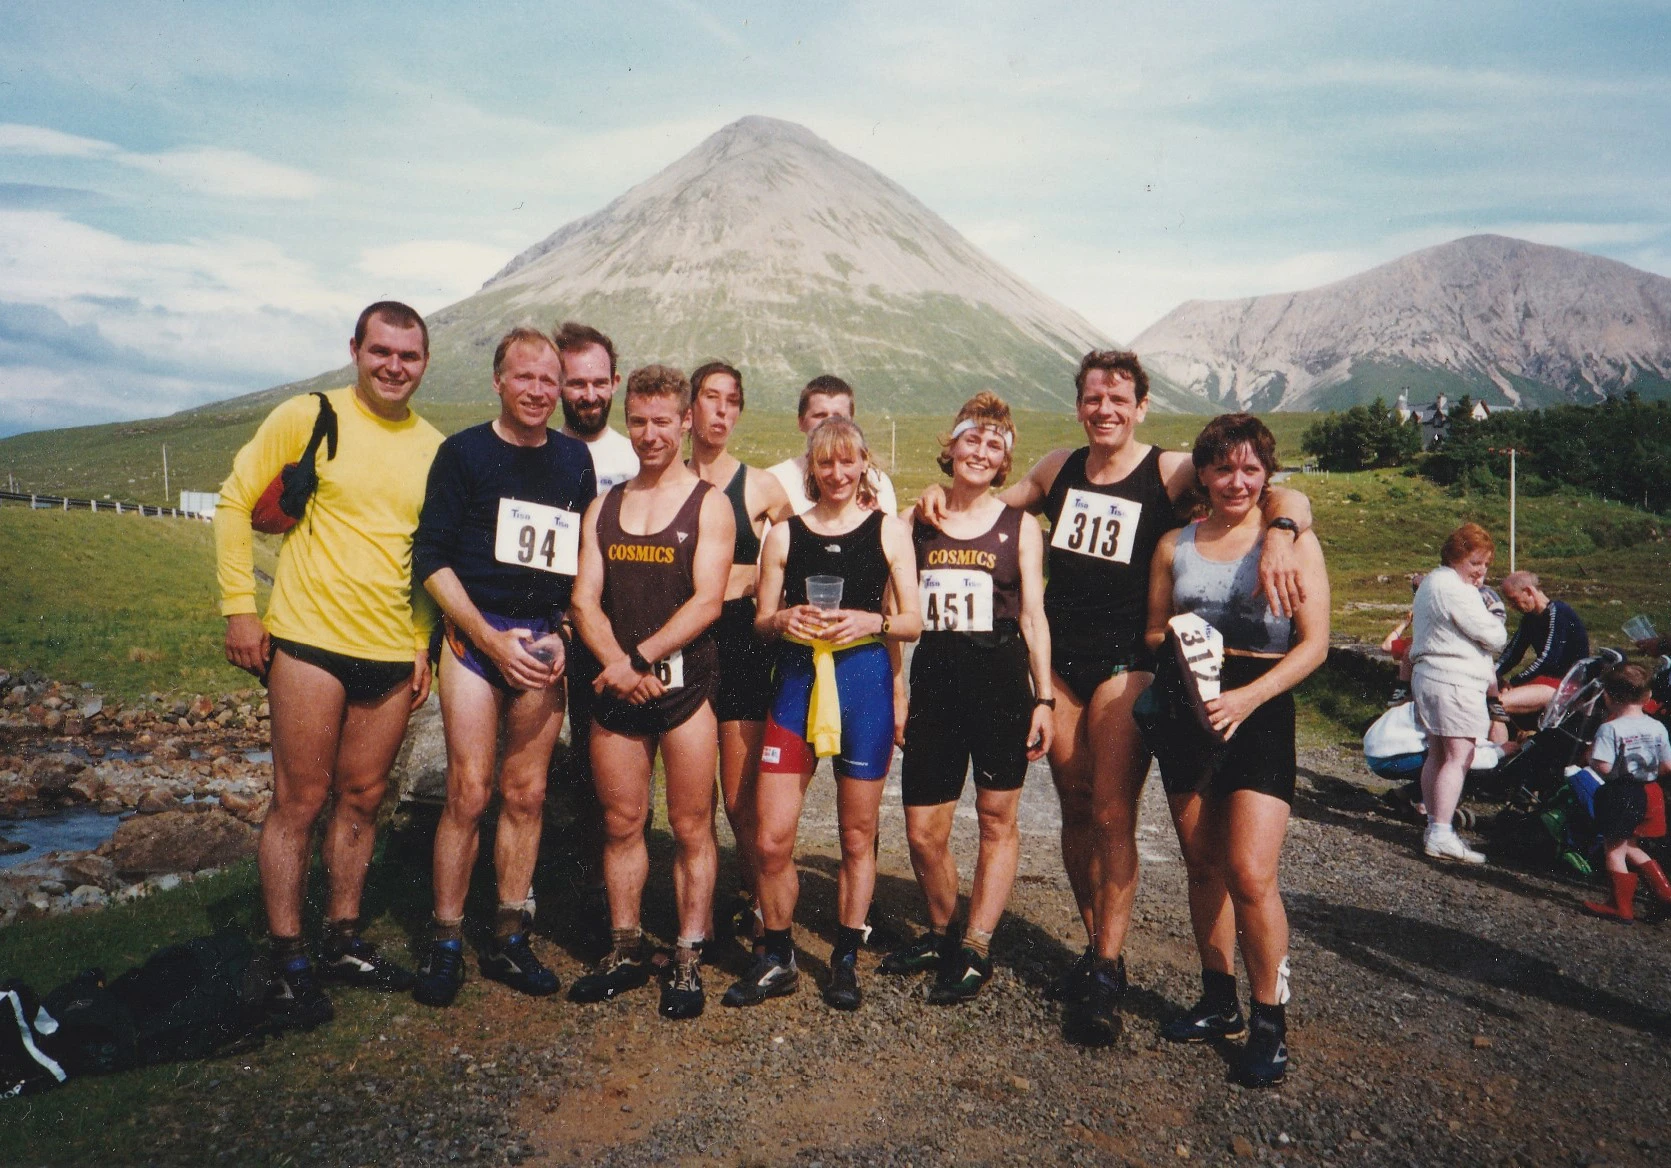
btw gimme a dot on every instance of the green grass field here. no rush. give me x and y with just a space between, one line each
126 603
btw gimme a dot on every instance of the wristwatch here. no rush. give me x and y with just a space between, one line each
1283 523
1047 703
883 631
636 660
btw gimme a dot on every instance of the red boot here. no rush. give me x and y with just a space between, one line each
1655 876
1624 892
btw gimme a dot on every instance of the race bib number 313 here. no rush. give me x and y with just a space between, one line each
955 601
533 535
1103 527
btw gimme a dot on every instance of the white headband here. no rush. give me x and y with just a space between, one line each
968 424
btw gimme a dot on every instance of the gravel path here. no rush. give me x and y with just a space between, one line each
1440 1016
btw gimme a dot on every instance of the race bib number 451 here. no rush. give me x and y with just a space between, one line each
533 535
1103 527
955 601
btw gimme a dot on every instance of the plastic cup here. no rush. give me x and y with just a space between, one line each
824 592
1639 628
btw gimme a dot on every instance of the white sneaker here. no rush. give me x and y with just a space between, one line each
1445 844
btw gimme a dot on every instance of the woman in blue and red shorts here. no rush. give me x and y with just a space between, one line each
844 650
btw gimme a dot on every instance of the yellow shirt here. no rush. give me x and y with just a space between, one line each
344 579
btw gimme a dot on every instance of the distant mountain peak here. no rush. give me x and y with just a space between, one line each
766 245
1500 318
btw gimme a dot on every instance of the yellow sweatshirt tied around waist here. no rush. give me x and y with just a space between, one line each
823 717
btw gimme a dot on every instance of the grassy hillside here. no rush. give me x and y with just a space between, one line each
1608 561
124 602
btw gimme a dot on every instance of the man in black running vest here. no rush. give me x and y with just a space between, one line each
654 560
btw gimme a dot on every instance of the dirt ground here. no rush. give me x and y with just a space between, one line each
1439 1015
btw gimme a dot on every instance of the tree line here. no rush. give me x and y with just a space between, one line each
1619 449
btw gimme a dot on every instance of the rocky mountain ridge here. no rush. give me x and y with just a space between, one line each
1513 322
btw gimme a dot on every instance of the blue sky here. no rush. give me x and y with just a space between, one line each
196 198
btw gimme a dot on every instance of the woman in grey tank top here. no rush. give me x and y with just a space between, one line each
1225 738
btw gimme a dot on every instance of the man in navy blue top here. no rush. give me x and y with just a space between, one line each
496 547
1554 635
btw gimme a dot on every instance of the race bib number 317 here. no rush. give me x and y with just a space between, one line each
532 535
1103 527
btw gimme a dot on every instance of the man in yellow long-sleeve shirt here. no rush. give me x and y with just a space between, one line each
344 647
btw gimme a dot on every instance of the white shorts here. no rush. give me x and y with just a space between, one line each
1444 710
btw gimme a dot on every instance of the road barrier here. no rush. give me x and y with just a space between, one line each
116 507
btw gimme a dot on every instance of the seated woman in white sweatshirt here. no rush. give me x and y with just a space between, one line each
1454 644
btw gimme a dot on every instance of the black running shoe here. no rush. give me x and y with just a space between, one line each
1094 1020
295 1000
441 974
961 979
1070 986
766 978
919 956
843 991
360 964
513 962
617 973
1205 1023
681 994
1265 1058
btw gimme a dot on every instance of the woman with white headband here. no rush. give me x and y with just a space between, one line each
980 691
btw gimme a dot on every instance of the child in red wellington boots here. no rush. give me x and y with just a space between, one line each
1631 751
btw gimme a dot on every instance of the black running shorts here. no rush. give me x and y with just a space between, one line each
745 665
969 704
1259 756
361 680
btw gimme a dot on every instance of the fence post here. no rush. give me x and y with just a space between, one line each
66 502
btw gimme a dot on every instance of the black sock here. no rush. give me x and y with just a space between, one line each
1273 1016
341 935
1218 990
285 949
847 942
779 944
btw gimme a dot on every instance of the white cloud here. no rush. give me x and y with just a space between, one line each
211 170
42 141
152 327
433 273
229 173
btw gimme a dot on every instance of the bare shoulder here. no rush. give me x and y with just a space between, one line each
764 492
1177 471
1046 469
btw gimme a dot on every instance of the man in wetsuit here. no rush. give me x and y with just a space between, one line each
1554 634
654 559
344 646
498 547
745 661
823 397
1109 503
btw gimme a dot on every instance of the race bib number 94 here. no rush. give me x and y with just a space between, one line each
1103 527
532 535
955 601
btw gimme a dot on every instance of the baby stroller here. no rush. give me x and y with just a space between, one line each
1395 748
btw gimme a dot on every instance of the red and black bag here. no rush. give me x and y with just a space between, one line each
285 500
